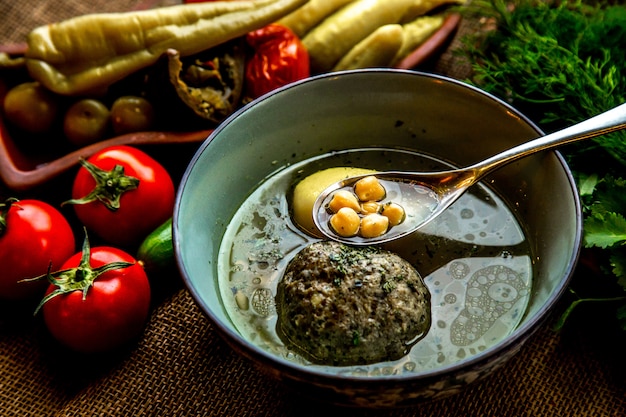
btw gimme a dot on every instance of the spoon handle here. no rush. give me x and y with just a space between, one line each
607 122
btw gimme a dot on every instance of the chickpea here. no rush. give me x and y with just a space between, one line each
394 212
369 189
345 222
343 198
374 225
370 207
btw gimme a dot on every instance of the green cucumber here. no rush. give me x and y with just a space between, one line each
156 252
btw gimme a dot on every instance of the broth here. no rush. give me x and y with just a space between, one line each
474 259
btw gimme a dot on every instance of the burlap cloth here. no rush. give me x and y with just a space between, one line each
180 367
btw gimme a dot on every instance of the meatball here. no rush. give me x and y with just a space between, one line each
341 305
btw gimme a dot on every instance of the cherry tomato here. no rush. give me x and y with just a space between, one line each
122 194
33 236
99 306
279 58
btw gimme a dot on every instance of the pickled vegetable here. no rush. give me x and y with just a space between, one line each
31 108
131 114
86 122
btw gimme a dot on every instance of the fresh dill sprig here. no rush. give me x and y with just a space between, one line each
557 63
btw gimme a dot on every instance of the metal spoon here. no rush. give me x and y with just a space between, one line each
436 191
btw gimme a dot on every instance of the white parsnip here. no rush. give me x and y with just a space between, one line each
311 14
377 50
329 41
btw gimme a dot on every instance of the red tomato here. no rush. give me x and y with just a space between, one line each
141 209
33 236
111 312
279 59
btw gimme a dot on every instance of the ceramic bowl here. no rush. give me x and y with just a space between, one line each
395 109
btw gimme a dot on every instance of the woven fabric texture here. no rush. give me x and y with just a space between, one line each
181 367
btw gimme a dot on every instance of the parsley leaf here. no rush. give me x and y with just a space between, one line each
604 229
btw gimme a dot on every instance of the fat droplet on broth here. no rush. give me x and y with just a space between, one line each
502 293
259 221
263 301
467 214
243 303
410 366
459 270
389 370
450 298
238 266
492 292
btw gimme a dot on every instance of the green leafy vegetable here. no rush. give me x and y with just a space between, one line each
605 226
560 62
605 229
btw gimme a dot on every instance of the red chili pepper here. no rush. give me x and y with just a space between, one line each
279 58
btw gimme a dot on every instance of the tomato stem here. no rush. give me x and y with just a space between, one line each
80 278
4 211
110 185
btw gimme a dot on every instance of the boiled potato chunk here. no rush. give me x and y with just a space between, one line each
307 191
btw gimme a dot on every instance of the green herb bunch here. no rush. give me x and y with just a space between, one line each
560 63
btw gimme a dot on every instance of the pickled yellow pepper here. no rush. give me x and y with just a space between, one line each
91 52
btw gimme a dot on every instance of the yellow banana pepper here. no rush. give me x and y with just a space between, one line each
88 53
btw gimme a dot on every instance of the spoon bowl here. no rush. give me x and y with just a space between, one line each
425 195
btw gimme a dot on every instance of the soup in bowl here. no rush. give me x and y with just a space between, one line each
341 323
